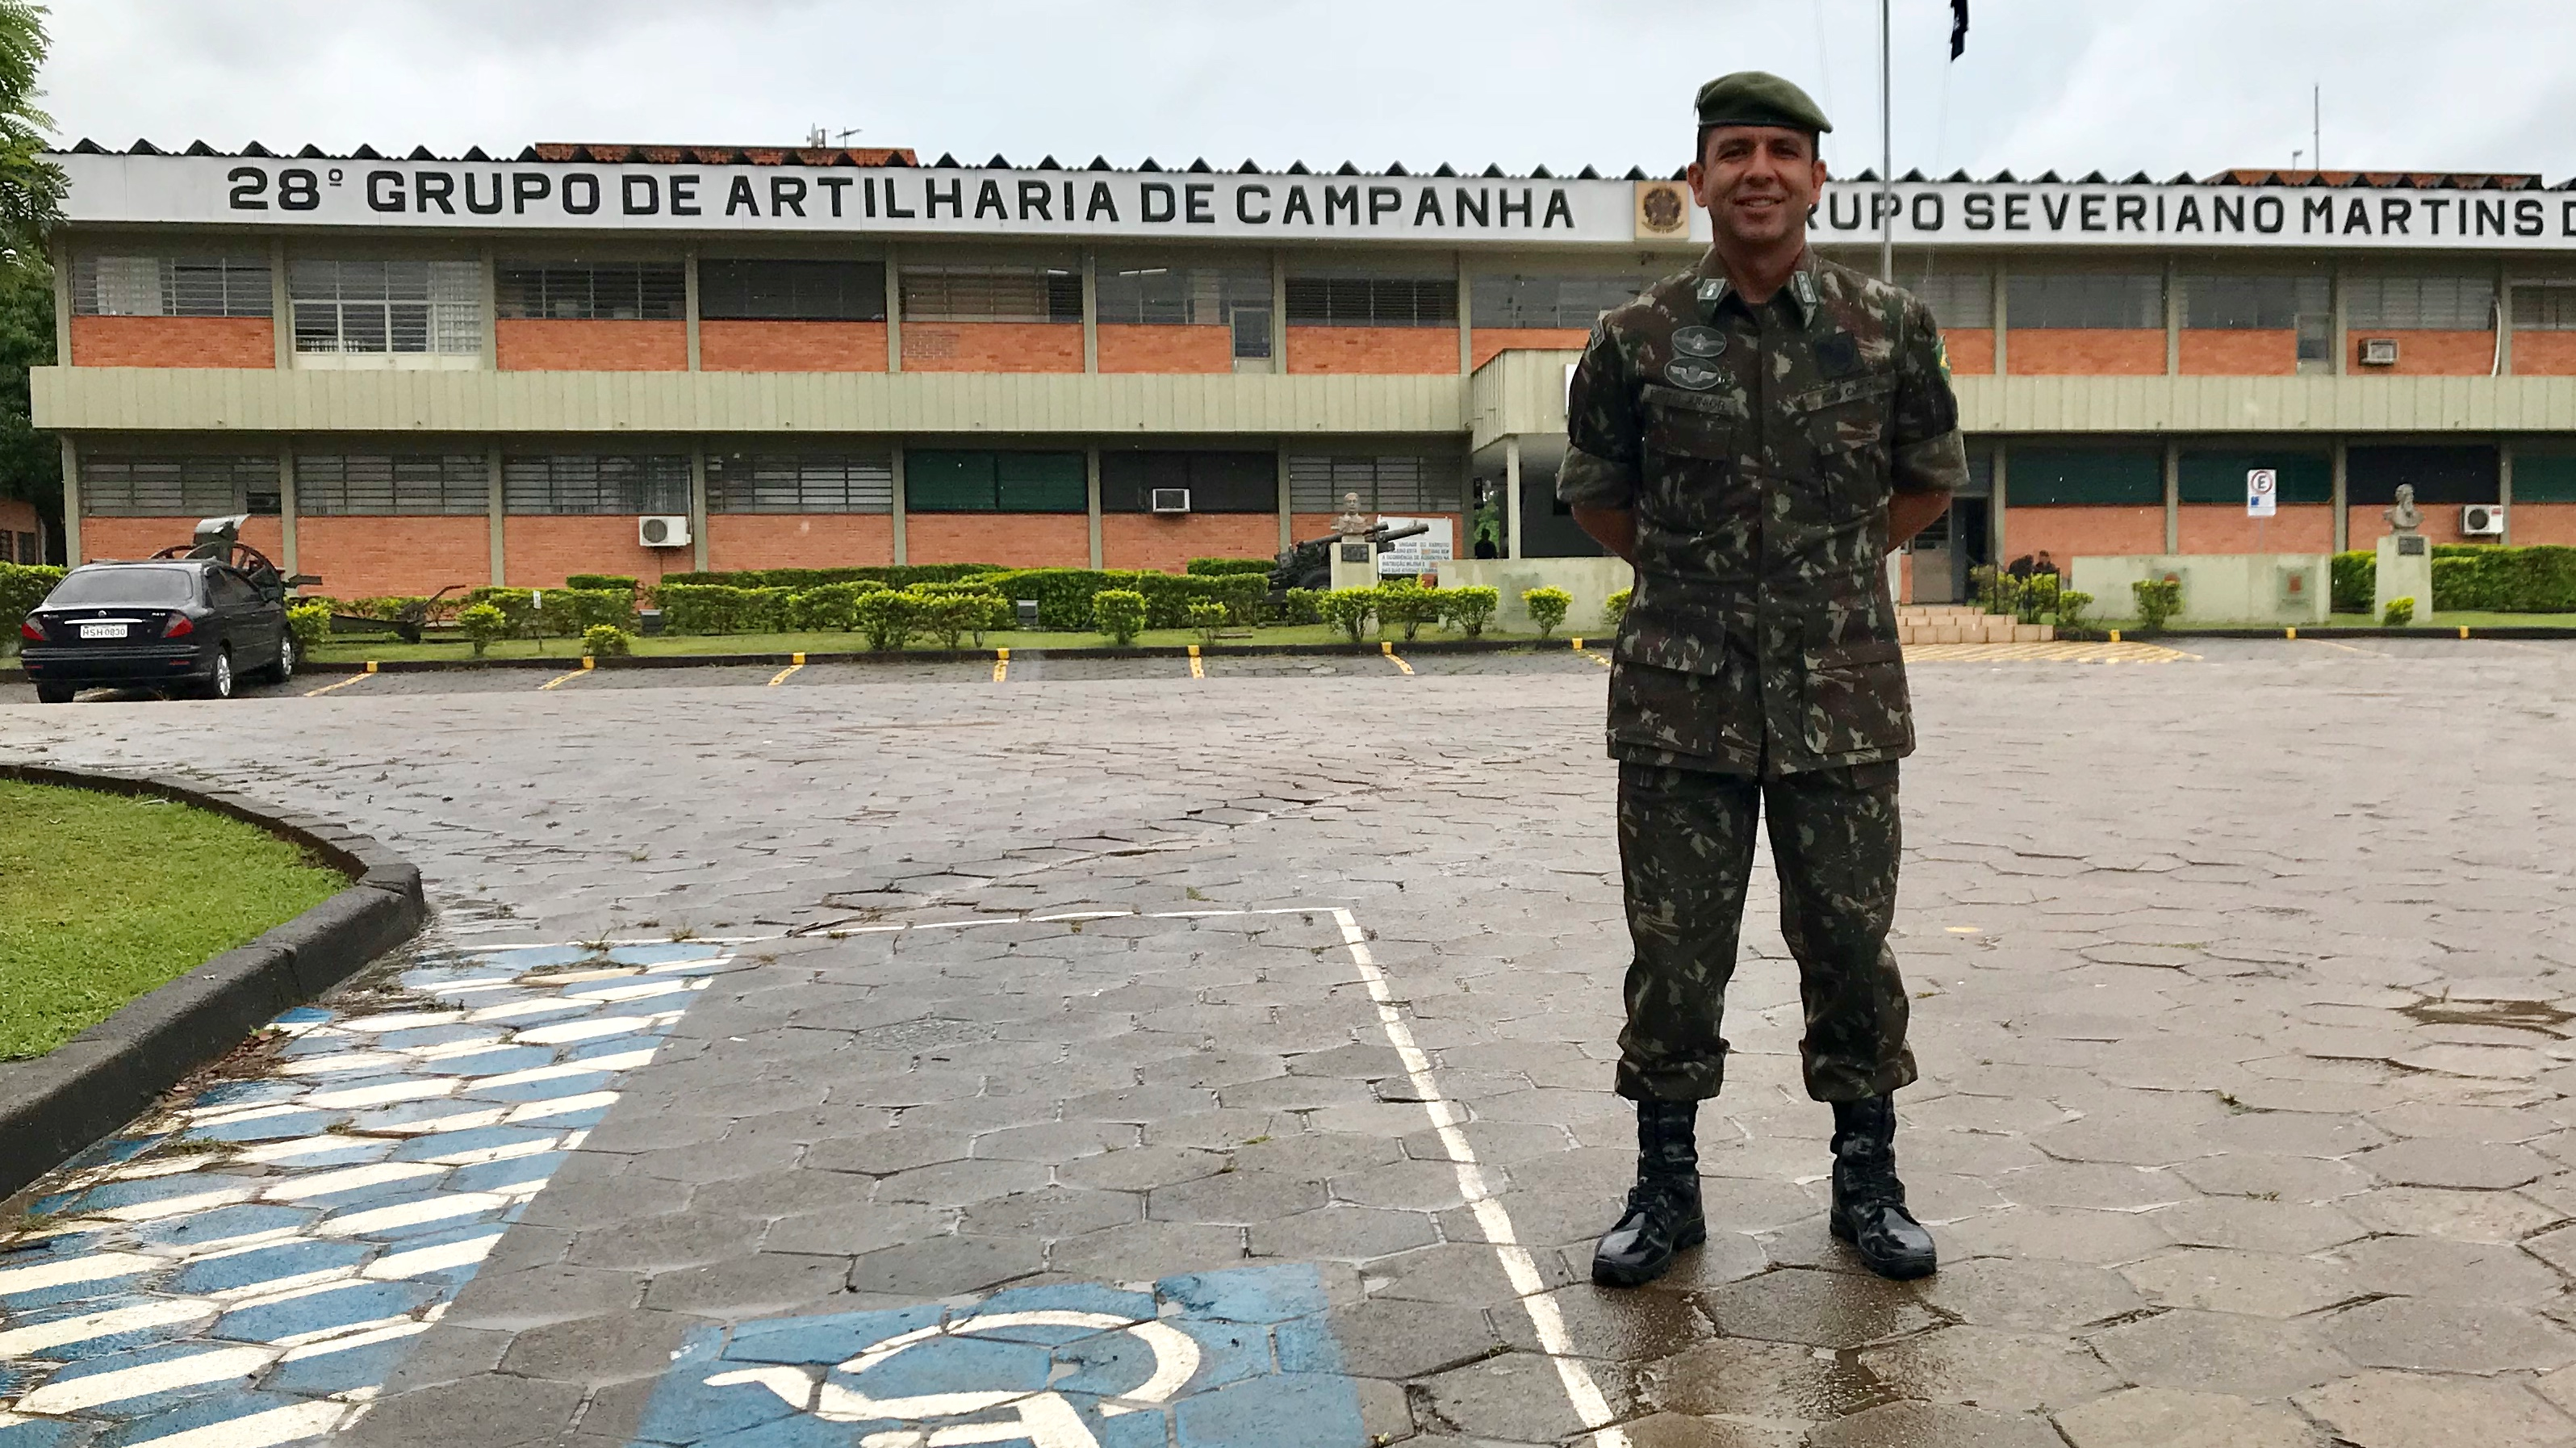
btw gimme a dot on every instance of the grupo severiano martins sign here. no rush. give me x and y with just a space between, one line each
1271 207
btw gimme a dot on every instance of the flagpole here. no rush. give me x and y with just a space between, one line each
1887 157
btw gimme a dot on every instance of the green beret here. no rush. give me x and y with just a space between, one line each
1758 98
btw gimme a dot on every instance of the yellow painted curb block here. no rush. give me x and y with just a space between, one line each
371 666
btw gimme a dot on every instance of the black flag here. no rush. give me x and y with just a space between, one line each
1958 28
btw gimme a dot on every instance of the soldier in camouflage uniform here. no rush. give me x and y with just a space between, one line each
1755 435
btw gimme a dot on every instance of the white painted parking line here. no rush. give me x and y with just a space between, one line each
445 1257
257 1430
33 1341
98 1268
405 1215
196 1370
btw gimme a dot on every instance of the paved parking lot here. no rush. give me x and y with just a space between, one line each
1277 1008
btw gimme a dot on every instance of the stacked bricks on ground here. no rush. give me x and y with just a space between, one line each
1960 624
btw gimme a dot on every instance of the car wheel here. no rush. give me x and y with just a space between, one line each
54 693
219 684
284 668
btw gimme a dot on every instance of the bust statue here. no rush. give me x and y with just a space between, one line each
2403 516
1352 522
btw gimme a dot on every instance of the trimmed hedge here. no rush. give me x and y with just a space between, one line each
22 587
2473 577
567 611
601 582
2356 578
707 608
903 575
1219 567
1064 594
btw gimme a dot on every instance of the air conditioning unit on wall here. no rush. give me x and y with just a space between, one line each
2378 351
1171 500
664 530
2481 520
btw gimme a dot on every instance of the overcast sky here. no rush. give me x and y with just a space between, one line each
2073 85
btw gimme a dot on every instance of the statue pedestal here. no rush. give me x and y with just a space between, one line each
1354 563
2405 571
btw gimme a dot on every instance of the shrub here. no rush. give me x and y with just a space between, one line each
1547 608
1207 618
2070 608
607 641
1468 610
2355 576
2036 595
1405 603
828 606
1993 590
2158 599
601 582
1615 608
889 617
311 625
953 615
1219 567
1299 606
1064 594
22 587
514 604
590 608
483 622
2459 583
1119 613
705 608
894 575
2401 612
1347 609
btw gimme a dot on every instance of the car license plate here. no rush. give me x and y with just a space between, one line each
102 630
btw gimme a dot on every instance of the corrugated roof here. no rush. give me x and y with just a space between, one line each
611 154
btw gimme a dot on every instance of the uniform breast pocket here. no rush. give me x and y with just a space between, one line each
1692 441
1856 698
1845 430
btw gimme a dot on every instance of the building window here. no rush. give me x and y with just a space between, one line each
1566 303
1960 300
591 291
2440 474
2049 477
178 487
1219 482
1330 300
2107 300
2544 307
170 286
2433 303
1402 485
1144 295
799 483
2217 475
593 483
992 294
331 485
995 482
386 306
2253 303
30 548
792 291
2538 476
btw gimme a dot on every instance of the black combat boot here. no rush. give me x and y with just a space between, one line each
1869 1202
1663 1207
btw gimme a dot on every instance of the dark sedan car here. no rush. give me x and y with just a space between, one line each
177 625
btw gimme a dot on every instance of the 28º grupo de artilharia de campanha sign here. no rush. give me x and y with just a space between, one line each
1270 207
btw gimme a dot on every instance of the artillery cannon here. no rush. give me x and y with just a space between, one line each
1310 564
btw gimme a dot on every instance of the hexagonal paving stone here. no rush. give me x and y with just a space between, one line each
2037 1295
2250 1357
2435 1335
2274 1176
2408 1410
2167 1418
1827 1309
2428 1163
2462 1216
1983 1368
1934 1425
2071 1234
1235 1198
1141 1168
2436 1267
1516 1397
1341 1233
2258 1226
2259 1284
1776 1380
2091 1184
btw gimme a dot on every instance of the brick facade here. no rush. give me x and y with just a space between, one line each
540 550
2066 533
2364 525
375 557
531 344
2224 528
2084 352
19 522
1129 348
799 540
1024 540
143 537
1167 544
1373 350
2427 354
1972 350
2543 523
992 347
792 346
1490 342
2543 354
174 342
2216 352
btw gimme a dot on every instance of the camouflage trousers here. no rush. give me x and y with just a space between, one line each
1686 845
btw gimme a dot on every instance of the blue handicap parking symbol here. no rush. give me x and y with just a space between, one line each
1234 1359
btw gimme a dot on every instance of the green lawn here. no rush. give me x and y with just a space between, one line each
676 645
2464 618
104 897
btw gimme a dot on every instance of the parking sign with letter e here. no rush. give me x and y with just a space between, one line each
2262 492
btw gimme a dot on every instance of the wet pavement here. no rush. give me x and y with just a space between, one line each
1225 1061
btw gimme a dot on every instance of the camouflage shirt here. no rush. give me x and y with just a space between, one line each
1757 446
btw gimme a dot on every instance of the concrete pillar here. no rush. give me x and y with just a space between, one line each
281 308
61 256
2504 486
491 327
1995 506
71 503
2335 456
2002 320
492 464
2173 325
1278 312
901 554
689 309
1466 320
2504 329
1091 500
1512 496
2173 496
894 363
1287 527
1090 314
697 455
286 506
2342 346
